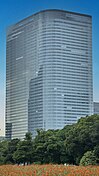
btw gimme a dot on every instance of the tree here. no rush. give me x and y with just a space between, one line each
80 138
28 136
89 158
12 147
67 145
24 152
3 151
96 152
53 149
19 155
47 147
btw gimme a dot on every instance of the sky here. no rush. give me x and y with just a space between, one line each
12 11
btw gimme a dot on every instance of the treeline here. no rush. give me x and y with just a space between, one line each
74 144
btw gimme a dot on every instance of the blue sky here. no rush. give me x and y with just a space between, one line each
11 11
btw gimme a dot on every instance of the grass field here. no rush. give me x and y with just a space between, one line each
48 170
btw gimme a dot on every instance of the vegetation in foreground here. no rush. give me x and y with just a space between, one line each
48 170
76 144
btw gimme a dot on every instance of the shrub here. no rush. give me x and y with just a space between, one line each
88 158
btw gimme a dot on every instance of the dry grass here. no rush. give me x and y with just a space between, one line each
48 170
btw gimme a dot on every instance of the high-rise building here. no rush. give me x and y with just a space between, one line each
48 72
96 107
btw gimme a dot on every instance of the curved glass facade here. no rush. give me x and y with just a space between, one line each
49 72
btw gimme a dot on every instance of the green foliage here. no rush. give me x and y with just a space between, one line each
74 144
81 137
89 158
96 152
3 149
47 147
24 152
69 144
28 136
11 148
